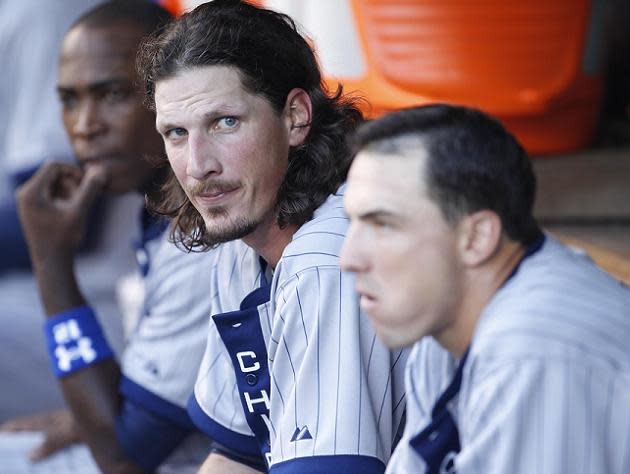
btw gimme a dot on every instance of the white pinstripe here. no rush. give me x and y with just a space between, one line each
546 387
327 371
164 352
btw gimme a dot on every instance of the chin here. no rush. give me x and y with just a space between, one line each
227 230
394 338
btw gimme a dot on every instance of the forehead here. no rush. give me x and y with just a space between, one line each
386 181
97 54
200 88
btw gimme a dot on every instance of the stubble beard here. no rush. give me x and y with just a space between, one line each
230 229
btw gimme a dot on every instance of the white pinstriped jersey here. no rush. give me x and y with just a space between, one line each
308 376
546 383
164 352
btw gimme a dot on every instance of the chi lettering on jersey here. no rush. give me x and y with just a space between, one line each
242 335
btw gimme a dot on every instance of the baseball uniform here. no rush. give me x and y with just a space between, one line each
293 370
161 358
544 386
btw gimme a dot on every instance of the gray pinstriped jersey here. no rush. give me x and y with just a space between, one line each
335 389
164 352
546 385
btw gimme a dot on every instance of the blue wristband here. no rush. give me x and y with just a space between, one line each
75 340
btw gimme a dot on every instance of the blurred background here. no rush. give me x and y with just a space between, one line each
556 73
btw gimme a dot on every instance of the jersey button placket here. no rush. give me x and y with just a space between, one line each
251 379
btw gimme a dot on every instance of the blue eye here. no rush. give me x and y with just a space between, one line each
176 132
227 122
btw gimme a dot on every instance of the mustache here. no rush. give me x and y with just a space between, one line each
213 187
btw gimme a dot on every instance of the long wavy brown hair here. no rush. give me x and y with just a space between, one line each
272 58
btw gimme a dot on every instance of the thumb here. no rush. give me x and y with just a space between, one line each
91 186
45 449
53 443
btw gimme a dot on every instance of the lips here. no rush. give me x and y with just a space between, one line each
214 196
367 300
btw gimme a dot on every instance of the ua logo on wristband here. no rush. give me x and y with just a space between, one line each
65 334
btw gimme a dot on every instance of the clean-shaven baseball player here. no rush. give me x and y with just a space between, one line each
293 374
131 413
523 362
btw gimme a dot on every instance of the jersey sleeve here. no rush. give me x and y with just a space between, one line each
165 350
148 428
161 359
335 403
524 416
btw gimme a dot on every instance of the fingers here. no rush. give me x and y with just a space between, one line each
50 446
31 423
91 186
60 184
13 425
57 426
40 452
42 183
39 421
60 433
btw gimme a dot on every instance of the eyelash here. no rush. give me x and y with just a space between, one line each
170 133
115 95
381 225
224 119
67 100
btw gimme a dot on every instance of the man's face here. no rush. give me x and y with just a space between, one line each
102 110
228 148
400 247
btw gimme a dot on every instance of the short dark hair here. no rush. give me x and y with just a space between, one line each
473 162
148 15
271 57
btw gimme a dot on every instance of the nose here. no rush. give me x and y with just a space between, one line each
88 121
353 257
203 157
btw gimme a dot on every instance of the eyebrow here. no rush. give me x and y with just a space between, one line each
220 111
162 127
97 85
376 214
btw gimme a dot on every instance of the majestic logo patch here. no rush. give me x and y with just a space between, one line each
301 433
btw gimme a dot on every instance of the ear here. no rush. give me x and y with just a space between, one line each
479 237
297 116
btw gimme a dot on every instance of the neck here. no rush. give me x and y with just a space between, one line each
479 287
269 240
